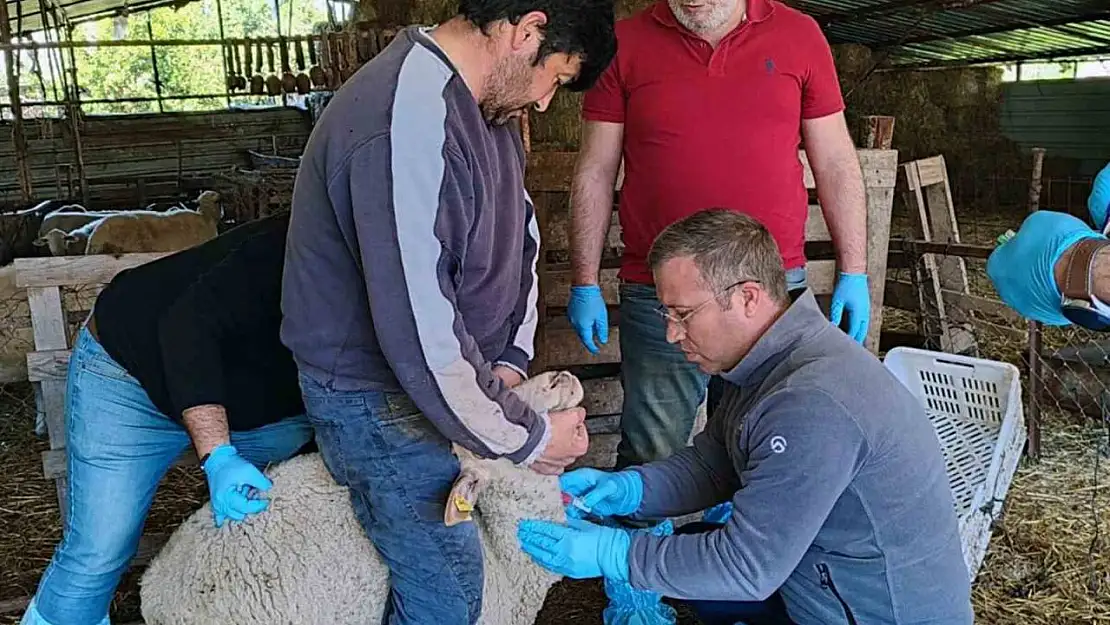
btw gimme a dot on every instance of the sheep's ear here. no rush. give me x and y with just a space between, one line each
462 498
39 242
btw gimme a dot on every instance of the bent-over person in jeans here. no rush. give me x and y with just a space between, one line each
184 350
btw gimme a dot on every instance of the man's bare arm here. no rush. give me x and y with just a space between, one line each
591 200
207 426
836 170
1100 272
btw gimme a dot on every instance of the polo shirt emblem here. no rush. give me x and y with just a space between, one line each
769 65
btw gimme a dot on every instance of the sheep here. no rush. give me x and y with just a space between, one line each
306 558
67 218
119 232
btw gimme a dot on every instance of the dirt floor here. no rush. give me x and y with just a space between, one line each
1044 566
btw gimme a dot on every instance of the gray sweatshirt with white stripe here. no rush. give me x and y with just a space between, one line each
412 248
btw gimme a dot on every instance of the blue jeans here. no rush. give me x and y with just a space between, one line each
662 390
771 611
118 448
399 470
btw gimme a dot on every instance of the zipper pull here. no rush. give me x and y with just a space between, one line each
823 572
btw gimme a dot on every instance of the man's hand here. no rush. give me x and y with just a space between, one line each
230 479
587 314
604 493
578 549
1022 268
568 442
851 294
509 376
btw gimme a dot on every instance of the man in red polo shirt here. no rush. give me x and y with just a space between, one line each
708 102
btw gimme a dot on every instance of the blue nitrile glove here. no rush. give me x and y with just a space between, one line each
1021 268
604 493
587 314
632 606
718 514
851 294
229 479
578 550
1098 203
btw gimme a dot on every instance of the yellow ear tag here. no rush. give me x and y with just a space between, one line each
462 505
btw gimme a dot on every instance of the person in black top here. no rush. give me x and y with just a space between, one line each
184 349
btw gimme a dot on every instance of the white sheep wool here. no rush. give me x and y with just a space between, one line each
306 560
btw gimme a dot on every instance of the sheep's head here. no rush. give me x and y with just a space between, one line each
208 204
60 242
550 391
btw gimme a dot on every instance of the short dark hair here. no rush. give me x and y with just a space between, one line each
726 246
574 27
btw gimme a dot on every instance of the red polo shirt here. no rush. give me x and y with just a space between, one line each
708 128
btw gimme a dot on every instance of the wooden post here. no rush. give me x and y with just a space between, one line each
19 139
878 132
73 99
1033 416
154 64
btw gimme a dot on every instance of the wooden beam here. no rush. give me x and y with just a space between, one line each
550 171
76 270
878 133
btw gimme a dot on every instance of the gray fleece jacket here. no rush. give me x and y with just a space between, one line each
838 485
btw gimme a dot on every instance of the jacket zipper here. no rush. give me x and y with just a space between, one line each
827 583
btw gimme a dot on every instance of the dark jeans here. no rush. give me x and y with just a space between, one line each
769 612
399 470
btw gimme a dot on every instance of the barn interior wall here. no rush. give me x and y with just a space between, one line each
130 161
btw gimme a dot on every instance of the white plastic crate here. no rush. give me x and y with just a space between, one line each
975 407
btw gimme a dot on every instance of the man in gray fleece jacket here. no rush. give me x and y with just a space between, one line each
842 512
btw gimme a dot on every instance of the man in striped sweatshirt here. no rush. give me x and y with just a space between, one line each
409 294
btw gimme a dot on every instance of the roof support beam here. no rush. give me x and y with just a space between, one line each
897 6
993 60
992 30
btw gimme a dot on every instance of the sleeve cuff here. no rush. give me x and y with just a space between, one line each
539 446
824 111
515 359
597 115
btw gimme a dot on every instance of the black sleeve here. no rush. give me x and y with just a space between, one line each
232 297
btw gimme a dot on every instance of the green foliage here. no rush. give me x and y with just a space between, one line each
114 73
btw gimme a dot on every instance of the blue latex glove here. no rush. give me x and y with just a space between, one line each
1021 268
632 606
851 294
605 493
230 479
1098 203
578 550
718 514
587 314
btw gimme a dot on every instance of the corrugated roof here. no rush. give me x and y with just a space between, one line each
950 32
911 32
27 16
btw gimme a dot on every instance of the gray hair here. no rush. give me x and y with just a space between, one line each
727 247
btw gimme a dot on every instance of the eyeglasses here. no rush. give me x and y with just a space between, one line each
680 320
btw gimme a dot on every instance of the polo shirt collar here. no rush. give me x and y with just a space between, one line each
800 323
758 11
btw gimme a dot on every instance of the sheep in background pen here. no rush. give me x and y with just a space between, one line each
139 230
307 560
